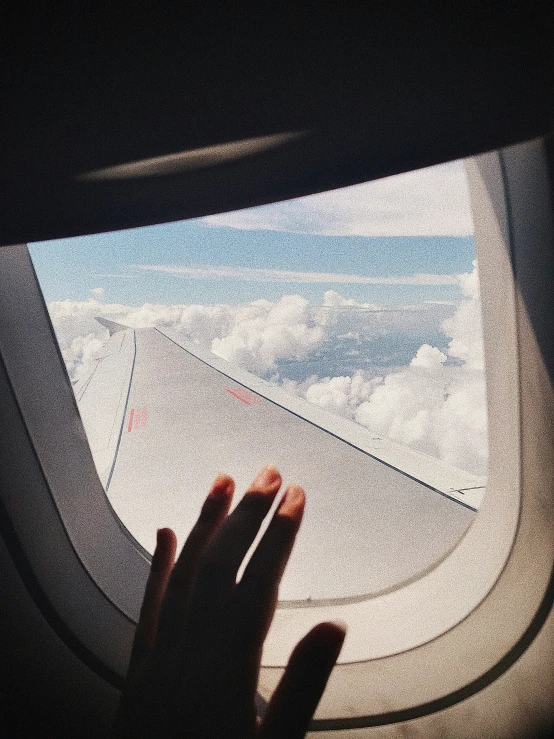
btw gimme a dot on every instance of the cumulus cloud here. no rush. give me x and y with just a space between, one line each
464 327
426 202
98 292
253 335
436 403
340 395
273 331
80 355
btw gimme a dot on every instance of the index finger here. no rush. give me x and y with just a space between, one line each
177 594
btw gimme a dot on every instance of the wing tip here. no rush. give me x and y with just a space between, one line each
112 326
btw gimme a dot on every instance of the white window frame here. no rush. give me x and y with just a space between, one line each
91 572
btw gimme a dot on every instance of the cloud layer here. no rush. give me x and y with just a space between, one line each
426 202
250 274
436 403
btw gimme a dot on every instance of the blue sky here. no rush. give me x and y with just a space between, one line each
347 240
70 268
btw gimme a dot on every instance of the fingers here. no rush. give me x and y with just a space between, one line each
296 697
213 513
217 569
160 570
257 592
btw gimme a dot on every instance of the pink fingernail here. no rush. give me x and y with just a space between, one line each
293 501
266 477
222 487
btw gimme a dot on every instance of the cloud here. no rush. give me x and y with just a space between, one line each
342 316
436 403
332 299
283 329
251 274
98 292
426 202
254 335
81 353
341 395
464 326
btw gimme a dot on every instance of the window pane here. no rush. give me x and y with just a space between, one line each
359 311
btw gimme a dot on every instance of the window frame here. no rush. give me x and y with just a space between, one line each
99 568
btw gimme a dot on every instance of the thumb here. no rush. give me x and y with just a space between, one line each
296 697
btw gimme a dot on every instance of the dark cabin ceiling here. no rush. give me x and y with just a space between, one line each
373 90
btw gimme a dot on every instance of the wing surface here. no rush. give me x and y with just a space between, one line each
164 417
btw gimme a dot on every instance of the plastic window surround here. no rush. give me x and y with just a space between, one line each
393 638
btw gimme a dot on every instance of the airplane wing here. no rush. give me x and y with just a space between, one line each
163 417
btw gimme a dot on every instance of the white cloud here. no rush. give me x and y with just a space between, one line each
274 331
343 316
433 405
436 403
251 274
98 292
340 395
465 324
332 299
254 335
428 357
427 202
81 353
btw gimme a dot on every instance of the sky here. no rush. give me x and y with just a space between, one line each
364 300
401 238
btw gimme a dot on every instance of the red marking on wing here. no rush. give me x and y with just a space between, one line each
237 396
138 418
244 396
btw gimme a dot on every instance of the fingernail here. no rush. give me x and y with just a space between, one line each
293 501
266 477
222 487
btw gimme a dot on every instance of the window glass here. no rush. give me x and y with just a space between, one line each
359 311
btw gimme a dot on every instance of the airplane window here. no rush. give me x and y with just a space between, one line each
337 336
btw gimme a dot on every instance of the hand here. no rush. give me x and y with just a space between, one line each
196 655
